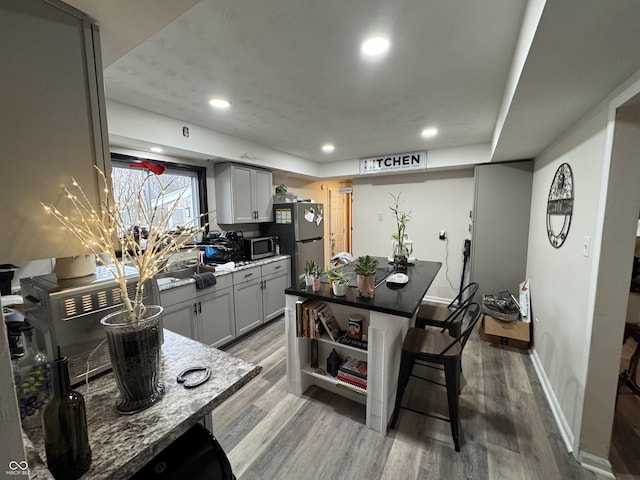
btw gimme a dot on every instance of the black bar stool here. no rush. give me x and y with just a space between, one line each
441 316
436 347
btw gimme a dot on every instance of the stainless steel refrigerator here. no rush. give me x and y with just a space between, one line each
300 230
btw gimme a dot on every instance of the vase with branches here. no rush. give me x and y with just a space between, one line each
114 232
399 236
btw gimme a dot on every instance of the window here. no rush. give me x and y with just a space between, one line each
183 184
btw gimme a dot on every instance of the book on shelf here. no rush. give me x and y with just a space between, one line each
328 319
299 318
354 366
351 387
347 377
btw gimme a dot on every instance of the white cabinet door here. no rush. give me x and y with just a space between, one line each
216 312
53 126
263 199
273 294
243 207
248 303
180 318
243 194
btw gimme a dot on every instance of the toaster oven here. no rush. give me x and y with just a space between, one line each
66 315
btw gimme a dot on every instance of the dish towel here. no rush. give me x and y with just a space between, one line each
204 280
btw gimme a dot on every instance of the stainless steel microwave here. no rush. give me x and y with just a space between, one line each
259 247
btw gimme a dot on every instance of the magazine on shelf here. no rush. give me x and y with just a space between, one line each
347 377
329 322
355 367
350 386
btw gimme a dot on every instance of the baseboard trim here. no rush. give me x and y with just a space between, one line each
429 298
561 421
598 465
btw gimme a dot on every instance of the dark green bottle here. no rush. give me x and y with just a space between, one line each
64 421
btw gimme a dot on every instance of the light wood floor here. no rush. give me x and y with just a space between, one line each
625 441
508 431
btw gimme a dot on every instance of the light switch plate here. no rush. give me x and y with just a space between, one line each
586 247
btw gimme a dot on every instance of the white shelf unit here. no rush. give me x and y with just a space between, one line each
384 334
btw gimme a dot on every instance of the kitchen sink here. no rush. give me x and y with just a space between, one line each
183 273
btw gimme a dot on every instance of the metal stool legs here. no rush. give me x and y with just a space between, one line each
452 376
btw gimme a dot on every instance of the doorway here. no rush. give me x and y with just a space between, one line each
340 219
625 434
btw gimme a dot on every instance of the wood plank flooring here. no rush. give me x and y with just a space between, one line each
508 431
625 441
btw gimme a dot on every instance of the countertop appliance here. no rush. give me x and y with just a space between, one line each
300 230
67 314
227 247
259 247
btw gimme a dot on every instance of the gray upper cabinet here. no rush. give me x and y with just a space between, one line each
243 194
54 123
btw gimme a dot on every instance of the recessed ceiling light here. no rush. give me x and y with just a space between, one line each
328 148
156 149
220 103
375 46
429 132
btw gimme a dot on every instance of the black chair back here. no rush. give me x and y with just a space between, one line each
472 312
465 296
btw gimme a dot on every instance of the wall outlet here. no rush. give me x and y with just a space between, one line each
442 235
379 217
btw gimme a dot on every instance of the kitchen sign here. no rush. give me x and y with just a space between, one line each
397 162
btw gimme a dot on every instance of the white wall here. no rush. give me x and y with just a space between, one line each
560 278
437 201
579 302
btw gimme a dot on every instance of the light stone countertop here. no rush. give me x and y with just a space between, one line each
122 444
186 281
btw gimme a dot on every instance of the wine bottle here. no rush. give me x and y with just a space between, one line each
64 421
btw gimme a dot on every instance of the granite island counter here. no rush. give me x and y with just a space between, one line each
122 444
388 316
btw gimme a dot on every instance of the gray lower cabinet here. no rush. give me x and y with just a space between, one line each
275 279
179 318
206 315
216 314
247 296
237 304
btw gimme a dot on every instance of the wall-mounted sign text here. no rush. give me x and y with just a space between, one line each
397 162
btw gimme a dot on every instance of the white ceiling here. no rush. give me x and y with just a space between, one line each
293 71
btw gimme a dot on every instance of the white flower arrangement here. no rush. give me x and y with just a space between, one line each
109 232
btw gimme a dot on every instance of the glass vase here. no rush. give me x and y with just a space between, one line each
33 381
134 349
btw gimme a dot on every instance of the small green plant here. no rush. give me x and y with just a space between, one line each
311 269
337 276
365 265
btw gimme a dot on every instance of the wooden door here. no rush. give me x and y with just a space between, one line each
339 222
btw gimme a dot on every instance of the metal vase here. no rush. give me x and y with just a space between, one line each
134 349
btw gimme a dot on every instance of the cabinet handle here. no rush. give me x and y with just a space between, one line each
279 266
248 275
199 307
195 308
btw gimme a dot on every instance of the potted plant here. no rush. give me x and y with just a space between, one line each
311 270
365 268
133 333
339 281
399 237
